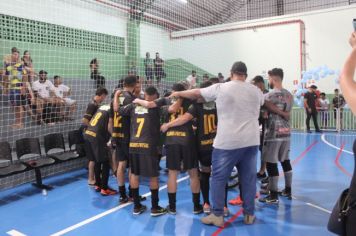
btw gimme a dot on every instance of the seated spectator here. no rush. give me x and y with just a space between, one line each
9 61
28 97
95 74
192 79
28 66
61 93
44 97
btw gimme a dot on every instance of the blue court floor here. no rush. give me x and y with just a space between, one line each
322 168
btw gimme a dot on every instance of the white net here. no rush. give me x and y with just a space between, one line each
62 37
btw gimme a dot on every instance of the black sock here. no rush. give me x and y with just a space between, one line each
205 186
130 191
172 200
196 199
154 198
122 190
226 188
135 196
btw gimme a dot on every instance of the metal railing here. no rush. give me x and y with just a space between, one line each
331 120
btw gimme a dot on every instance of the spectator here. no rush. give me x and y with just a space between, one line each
205 77
148 68
28 65
237 138
95 74
221 77
310 108
28 97
192 80
214 80
159 71
43 89
138 89
338 106
62 93
14 71
10 62
324 110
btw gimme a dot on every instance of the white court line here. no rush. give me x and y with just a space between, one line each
313 205
333 146
105 213
15 233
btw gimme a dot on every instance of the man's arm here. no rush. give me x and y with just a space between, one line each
126 110
145 103
273 108
347 83
110 125
177 122
192 94
116 102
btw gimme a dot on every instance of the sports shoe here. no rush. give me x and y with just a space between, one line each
269 199
97 188
141 199
236 201
197 209
206 208
249 219
108 191
170 210
158 211
261 176
140 209
123 199
286 193
213 220
265 180
226 212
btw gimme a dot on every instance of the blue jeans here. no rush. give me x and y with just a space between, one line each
223 161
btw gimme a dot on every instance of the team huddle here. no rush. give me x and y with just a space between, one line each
131 127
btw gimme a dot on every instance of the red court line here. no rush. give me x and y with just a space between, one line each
302 155
294 162
337 163
219 230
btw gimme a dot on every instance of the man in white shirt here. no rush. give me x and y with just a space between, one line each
324 108
192 80
61 93
43 90
236 144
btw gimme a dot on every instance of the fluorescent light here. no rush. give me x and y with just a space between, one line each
183 1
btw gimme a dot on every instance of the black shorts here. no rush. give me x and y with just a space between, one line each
144 165
99 150
88 150
122 151
178 153
149 73
205 158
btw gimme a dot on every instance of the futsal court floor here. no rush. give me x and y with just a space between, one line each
322 169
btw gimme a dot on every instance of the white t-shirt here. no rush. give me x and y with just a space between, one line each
192 80
238 107
43 89
324 104
60 90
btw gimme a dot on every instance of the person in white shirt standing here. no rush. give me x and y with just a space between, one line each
324 108
43 89
62 92
192 80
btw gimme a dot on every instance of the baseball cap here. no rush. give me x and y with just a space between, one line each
239 68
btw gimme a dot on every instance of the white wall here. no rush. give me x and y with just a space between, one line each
154 39
71 13
327 33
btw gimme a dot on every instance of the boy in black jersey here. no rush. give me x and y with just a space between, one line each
121 131
144 140
180 146
100 96
98 134
206 120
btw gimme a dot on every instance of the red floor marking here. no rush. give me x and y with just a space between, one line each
219 230
337 163
294 162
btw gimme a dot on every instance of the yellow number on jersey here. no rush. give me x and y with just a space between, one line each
209 123
96 118
177 114
117 120
140 121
